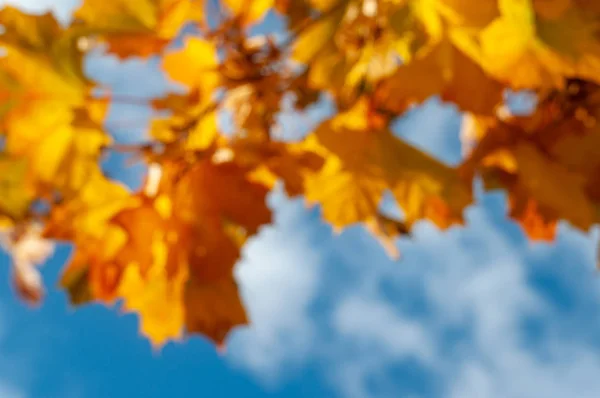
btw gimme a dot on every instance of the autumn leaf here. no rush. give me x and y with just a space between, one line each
85 220
158 299
249 11
527 53
86 215
357 172
443 70
15 194
143 28
213 309
558 139
187 233
271 161
38 42
195 65
62 145
464 14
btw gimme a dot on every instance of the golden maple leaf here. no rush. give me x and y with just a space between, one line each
41 53
526 52
176 244
441 70
358 171
62 145
249 11
195 65
560 140
269 161
16 194
141 28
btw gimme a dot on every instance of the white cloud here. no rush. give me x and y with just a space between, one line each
8 391
9 388
278 283
375 325
457 305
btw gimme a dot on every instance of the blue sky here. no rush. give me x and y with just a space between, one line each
473 312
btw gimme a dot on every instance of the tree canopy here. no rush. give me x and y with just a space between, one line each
167 250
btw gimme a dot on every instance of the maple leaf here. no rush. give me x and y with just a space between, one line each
142 28
195 65
559 139
526 52
348 47
62 145
463 14
249 11
38 42
358 171
254 109
193 120
352 48
84 220
158 299
442 70
169 306
213 309
51 122
297 12
169 286
270 161
41 66
15 194
85 215
180 241
255 80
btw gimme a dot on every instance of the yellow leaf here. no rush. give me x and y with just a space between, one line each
195 65
250 10
62 145
316 37
443 70
84 217
361 164
271 161
158 300
41 56
186 233
530 52
204 134
15 194
140 28
505 43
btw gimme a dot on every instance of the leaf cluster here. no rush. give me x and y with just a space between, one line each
167 250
